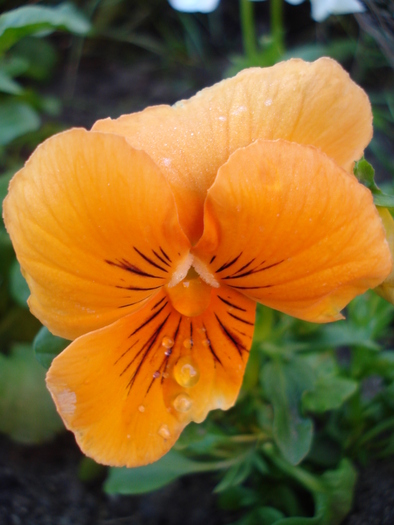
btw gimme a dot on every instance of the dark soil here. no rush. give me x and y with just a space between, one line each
39 485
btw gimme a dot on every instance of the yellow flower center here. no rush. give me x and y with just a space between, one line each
192 296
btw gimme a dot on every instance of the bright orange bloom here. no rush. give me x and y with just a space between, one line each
149 240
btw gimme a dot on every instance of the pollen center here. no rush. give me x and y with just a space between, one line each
192 296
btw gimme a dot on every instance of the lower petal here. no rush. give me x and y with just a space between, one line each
128 390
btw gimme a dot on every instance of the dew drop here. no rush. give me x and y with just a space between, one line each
156 374
167 342
188 343
182 403
141 408
186 372
206 343
164 432
168 352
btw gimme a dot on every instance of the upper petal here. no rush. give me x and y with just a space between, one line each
129 389
95 229
309 103
289 228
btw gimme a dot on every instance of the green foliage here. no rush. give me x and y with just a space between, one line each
284 384
151 477
29 20
47 346
19 107
27 413
366 174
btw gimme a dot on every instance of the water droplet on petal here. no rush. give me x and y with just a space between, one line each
182 403
167 342
156 374
186 372
188 343
206 343
141 408
164 432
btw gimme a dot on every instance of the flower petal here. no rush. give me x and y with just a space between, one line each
95 229
309 103
386 288
129 389
289 228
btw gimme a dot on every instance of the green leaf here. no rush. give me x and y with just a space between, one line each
47 346
366 175
17 118
284 385
152 477
8 84
27 412
335 503
28 20
18 286
328 393
333 497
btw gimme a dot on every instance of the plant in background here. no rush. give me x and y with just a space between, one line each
26 411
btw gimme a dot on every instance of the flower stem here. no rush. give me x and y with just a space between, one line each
248 29
277 30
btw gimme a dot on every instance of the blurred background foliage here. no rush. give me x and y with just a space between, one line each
317 401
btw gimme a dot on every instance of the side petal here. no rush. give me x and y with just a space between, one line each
308 103
95 229
386 289
287 227
129 389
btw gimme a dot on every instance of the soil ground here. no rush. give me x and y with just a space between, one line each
39 485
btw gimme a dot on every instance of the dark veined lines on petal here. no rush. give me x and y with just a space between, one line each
244 271
147 347
124 264
136 302
240 319
165 255
212 350
149 260
252 271
234 339
232 305
161 258
151 318
228 264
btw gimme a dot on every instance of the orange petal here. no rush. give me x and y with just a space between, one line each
386 289
289 228
95 229
128 390
308 103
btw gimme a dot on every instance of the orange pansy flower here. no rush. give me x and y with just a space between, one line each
149 239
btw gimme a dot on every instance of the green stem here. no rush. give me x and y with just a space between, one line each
385 425
248 30
277 31
310 482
